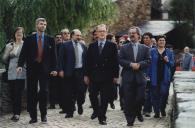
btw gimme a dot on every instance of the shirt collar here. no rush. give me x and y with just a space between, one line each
101 41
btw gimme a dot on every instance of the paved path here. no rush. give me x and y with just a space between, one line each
115 119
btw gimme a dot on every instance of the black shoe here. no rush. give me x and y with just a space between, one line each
112 105
129 124
62 112
51 107
80 110
147 114
140 118
102 122
163 113
69 116
93 116
15 118
33 121
156 115
43 119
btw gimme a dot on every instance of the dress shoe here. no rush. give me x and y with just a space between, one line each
157 115
147 114
129 124
140 118
80 110
112 105
43 119
102 122
93 116
15 118
69 116
62 112
163 113
33 121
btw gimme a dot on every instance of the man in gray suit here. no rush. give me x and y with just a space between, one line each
134 58
187 61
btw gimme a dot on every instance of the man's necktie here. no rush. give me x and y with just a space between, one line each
135 51
100 47
76 51
40 50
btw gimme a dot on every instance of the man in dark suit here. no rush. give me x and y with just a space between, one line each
101 72
38 52
71 68
134 58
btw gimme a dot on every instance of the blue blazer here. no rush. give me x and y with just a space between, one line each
154 67
66 60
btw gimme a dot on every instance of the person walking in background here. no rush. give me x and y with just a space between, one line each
71 69
101 72
187 60
65 34
38 52
160 75
110 37
147 40
16 81
55 81
134 58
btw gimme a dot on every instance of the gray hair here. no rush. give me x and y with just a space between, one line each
138 30
40 19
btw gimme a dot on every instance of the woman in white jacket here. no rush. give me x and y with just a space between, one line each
16 80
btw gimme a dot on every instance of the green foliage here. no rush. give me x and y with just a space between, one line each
183 12
59 14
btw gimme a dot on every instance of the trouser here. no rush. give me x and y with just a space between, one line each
74 91
133 100
102 89
159 97
17 87
54 90
38 77
148 102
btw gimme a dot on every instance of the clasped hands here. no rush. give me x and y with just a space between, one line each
135 66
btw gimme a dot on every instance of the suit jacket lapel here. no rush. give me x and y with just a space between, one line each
104 48
96 49
138 53
130 51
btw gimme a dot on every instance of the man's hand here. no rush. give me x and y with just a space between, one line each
115 80
19 70
61 74
86 80
135 66
53 73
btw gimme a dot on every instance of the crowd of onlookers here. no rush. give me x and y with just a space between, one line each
137 66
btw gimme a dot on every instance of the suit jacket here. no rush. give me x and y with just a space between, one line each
126 56
11 55
67 58
187 62
102 67
28 54
167 67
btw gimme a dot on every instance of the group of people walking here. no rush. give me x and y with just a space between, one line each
70 68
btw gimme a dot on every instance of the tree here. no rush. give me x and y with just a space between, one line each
183 12
59 14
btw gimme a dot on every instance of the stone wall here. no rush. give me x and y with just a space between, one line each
131 12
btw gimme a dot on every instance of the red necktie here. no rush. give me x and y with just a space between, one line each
40 50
